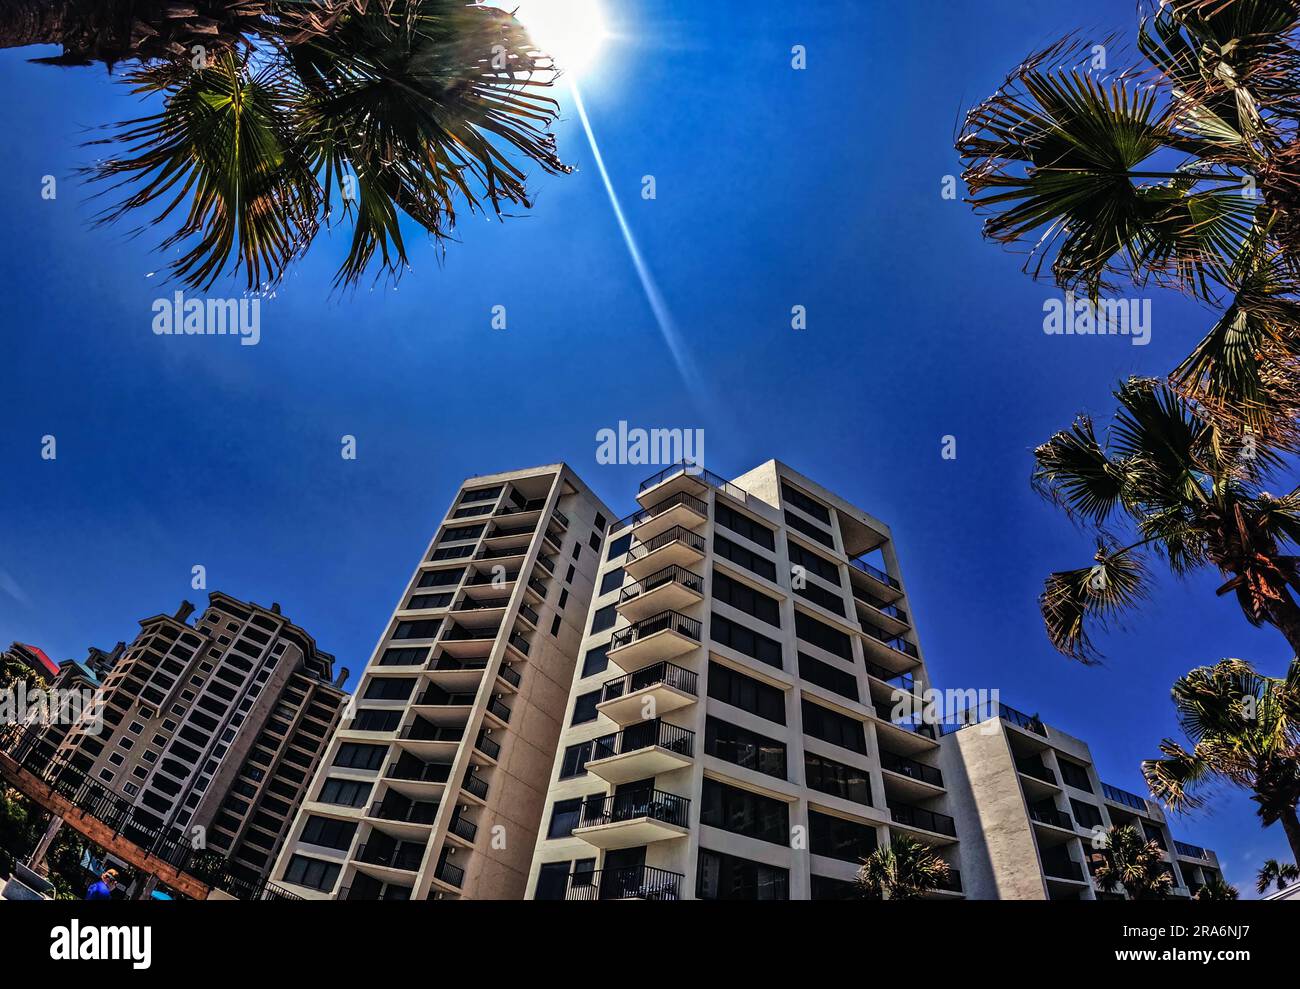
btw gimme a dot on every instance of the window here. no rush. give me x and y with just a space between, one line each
727 877
832 678
814 563
745 598
584 708
838 838
734 688
555 626
595 661
426 629
611 581
389 688
743 525
744 748
743 812
822 635
577 551
831 726
451 553
403 657
811 531
805 504
481 494
564 598
594 541
568 577
345 793
601 522
552 881
461 532
825 888
1085 813
564 817
441 578
354 755
369 719
820 596
311 872
619 546
604 618
423 602
1074 775
745 640
741 557
828 776
328 832
575 759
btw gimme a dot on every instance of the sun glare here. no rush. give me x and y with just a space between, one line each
571 31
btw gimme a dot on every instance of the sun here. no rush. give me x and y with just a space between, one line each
573 32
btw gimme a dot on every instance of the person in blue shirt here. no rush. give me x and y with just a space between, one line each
103 890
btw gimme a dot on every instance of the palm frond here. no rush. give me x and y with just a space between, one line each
1073 600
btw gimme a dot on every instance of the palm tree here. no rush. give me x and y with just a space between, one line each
1275 873
1164 474
1244 730
1124 858
905 870
297 116
13 671
1183 171
1216 890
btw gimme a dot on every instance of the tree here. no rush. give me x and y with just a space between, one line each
904 870
1215 890
1275 873
280 119
1244 729
1163 473
14 671
1182 171
1125 859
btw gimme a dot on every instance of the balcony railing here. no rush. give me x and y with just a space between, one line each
893 641
421 731
629 806
668 575
451 664
463 828
1052 816
462 634
499 709
535 505
520 643
430 772
665 674
644 736
527 612
487 746
707 476
490 553
926 820
1191 851
476 785
547 563
918 727
638 882
1124 797
403 856
1064 869
903 681
677 534
1035 768
483 604
662 622
560 517
874 571
501 531
433 697
452 875
910 767
483 577
672 501
891 610
414 813
510 675
538 587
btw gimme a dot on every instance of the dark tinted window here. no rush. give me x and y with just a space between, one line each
745 748
806 504
746 640
824 675
831 726
734 688
744 812
745 598
838 838
743 525
820 634
727 877
741 557
837 779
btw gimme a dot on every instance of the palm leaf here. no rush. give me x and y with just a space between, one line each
1097 595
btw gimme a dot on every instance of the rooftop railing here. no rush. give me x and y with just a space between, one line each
707 476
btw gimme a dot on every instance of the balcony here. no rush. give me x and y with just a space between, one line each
669 589
1063 868
513 536
911 769
522 508
491 580
456 675
498 710
952 884
1051 817
537 587
889 617
1130 800
553 539
666 687
500 554
413 778
642 751
889 648
477 613
907 816
426 739
674 547
679 509
440 707
879 584
626 820
460 828
527 613
1191 851
519 644
452 875
684 477
488 746
469 643
640 882
404 818
562 519
510 675
475 785
399 857
1033 766
665 636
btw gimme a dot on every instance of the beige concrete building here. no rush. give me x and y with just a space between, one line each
1028 804
735 729
198 720
434 784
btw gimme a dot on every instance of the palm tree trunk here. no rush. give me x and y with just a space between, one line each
56 22
1284 615
1291 825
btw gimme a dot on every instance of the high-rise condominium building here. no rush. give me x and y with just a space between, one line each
732 731
434 785
217 725
1029 805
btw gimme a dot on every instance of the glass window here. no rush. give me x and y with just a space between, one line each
305 871
734 688
584 707
745 748
611 581
745 640
743 812
831 726
727 877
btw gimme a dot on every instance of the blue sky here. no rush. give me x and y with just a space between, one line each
775 188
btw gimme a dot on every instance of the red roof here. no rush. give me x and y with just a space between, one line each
51 667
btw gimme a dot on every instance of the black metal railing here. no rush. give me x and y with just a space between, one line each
538 587
677 534
876 572
417 812
560 517
526 612
1034 767
645 735
640 882
658 508
476 785
510 675
487 746
1052 816
403 856
463 634
634 805
665 621
873 602
926 820
501 553
893 641
482 577
707 476
913 722
502 532
495 706
444 663
668 575
481 604
463 828
547 563
903 681
1029 722
1124 797
533 505
452 875
910 767
437 697
660 674
520 643
422 731
428 772
1191 851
